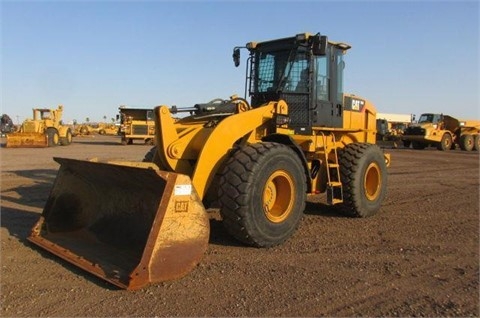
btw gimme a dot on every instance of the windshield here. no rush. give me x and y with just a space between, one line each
429 118
280 71
45 115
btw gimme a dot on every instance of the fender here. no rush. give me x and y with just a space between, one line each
288 141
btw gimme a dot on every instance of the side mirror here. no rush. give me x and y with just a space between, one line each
236 56
320 43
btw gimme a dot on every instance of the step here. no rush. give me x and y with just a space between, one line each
334 184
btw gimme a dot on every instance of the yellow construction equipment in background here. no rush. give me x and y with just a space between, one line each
108 129
44 130
136 124
135 223
86 129
443 132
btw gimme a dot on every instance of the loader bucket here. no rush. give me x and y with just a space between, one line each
25 140
127 225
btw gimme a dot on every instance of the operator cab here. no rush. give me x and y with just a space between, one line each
430 118
306 71
45 114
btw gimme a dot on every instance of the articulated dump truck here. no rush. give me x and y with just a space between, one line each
45 129
135 223
443 132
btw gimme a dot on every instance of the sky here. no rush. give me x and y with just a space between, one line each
407 57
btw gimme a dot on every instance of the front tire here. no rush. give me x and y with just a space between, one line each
262 194
446 142
363 173
52 137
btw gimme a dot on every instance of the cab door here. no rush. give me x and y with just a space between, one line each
328 92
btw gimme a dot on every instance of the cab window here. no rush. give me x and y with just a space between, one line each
149 114
322 78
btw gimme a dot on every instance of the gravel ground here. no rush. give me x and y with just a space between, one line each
418 257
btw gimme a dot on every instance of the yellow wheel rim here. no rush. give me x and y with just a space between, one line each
55 139
373 181
278 196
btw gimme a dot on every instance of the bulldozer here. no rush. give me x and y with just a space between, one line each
256 162
44 130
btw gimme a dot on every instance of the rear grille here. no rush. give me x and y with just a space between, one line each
29 127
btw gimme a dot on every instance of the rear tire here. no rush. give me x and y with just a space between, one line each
363 173
467 142
67 140
262 194
476 142
407 143
53 138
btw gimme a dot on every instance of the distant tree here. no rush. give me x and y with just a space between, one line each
113 119
87 120
74 121
104 117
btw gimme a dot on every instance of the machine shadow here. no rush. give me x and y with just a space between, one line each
34 195
321 209
19 224
93 141
17 220
220 236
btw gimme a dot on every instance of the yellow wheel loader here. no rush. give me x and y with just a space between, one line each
44 130
133 223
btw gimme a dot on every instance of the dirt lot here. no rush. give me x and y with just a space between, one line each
418 257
